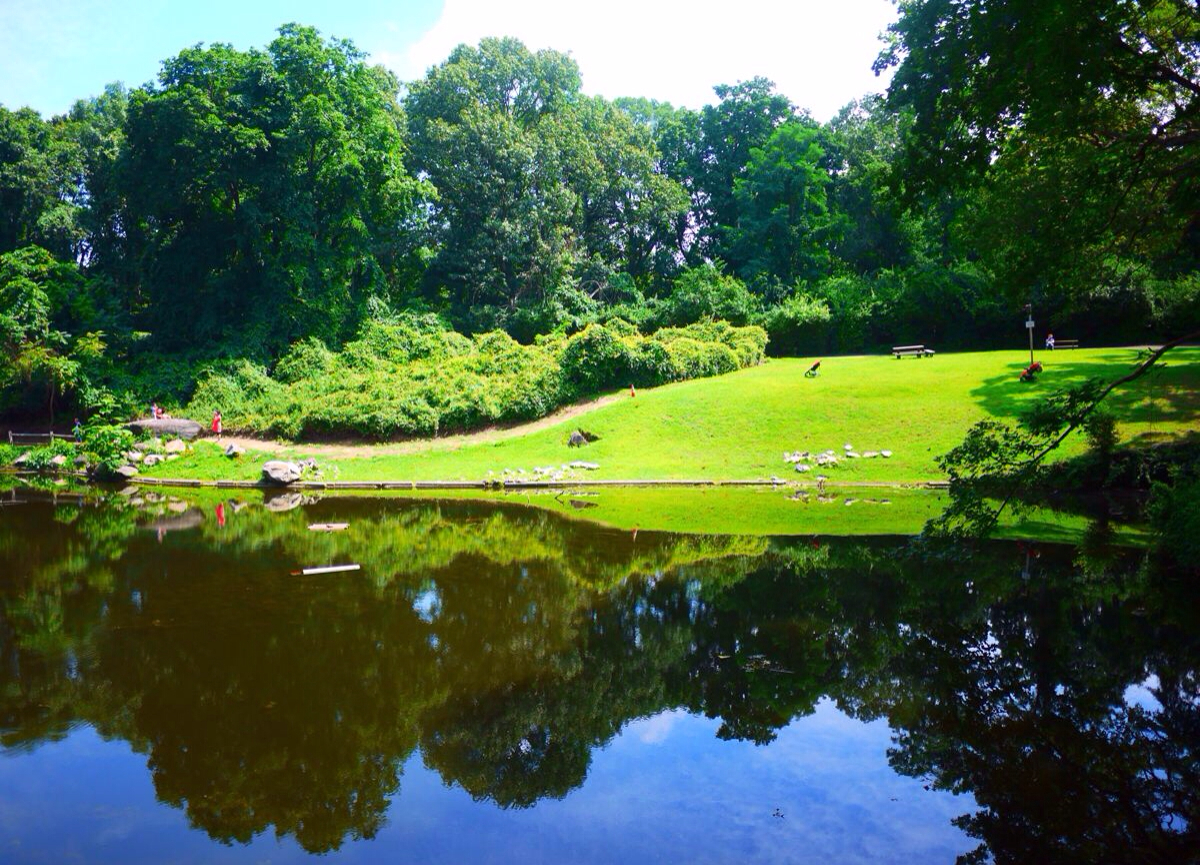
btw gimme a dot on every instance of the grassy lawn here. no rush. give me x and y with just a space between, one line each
738 426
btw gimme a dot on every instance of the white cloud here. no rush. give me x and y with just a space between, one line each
818 53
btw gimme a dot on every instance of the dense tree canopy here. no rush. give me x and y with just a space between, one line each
268 190
1079 121
250 200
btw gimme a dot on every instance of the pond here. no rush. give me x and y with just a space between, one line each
503 683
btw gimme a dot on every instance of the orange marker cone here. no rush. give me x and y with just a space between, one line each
632 392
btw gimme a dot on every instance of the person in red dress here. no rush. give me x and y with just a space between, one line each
216 424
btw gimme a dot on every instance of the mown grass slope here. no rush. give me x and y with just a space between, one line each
739 425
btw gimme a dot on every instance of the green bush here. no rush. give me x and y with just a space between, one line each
596 358
706 292
799 326
105 446
693 359
307 358
401 378
40 458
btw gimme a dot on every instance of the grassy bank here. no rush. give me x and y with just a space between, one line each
738 426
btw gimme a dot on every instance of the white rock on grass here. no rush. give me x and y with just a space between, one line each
885 454
580 464
868 455
847 447
852 455
803 467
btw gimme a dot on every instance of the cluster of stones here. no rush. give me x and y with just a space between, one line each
150 453
566 471
805 497
806 460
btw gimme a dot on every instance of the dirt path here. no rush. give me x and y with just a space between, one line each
348 450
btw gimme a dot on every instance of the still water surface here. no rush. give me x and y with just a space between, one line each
503 684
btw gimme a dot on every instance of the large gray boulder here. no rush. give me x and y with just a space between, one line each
280 472
126 472
167 426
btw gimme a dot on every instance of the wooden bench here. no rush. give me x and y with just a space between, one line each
911 351
1066 343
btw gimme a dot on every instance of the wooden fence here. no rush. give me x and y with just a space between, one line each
16 438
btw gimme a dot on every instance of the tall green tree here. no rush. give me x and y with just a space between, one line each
1051 100
269 189
543 194
39 183
784 225
743 119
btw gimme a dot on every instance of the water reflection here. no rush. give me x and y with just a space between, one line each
506 645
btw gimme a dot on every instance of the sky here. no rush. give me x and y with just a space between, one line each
819 53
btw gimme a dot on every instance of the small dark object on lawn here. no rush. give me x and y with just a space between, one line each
581 437
1031 372
813 370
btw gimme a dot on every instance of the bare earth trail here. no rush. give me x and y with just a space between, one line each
350 450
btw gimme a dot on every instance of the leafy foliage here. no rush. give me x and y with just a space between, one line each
409 376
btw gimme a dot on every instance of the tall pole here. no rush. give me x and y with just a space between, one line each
1029 327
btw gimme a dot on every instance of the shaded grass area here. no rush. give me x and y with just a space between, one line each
739 425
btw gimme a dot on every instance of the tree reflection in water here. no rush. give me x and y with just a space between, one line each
1057 686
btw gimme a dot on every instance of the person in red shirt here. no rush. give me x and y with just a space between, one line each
216 424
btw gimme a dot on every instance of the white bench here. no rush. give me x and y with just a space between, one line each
911 351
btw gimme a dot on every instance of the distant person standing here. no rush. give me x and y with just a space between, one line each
216 424
77 430
153 411
1050 341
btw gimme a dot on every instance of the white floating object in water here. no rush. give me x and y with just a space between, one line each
328 569
328 527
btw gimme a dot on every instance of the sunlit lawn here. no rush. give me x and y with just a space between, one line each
738 426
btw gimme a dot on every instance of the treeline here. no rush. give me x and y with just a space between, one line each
250 200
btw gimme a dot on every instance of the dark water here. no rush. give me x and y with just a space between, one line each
500 684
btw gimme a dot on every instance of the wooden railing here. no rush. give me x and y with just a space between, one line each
16 438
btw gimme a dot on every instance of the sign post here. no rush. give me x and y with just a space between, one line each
1029 327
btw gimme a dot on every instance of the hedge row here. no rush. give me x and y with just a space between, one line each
411 377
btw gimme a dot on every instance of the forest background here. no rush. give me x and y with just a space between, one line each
297 238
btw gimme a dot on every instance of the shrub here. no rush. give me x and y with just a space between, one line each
705 292
40 457
693 359
105 447
596 358
307 358
447 382
800 325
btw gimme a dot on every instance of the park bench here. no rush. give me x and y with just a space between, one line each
911 351
1066 343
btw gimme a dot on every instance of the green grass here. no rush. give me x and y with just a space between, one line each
738 426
